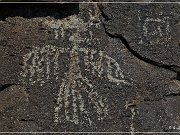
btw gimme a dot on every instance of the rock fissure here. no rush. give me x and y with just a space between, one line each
173 68
172 95
72 74
178 76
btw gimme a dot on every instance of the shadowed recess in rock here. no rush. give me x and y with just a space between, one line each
27 10
4 86
178 76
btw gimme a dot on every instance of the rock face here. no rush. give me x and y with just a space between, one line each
12 96
91 70
40 1
152 30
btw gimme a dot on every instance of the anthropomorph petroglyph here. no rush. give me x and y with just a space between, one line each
42 64
37 67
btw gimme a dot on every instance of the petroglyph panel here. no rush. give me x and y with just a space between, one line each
78 76
42 64
157 30
78 101
151 30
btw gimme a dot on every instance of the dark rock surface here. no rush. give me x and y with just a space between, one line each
41 0
151 30
79 73
88 1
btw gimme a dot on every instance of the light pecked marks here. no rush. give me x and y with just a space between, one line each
133 113
60 26
74 84
156 30
132 129
37 64
174 128
41 62
38 69
76 91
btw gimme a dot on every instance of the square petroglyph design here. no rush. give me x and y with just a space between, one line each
157 30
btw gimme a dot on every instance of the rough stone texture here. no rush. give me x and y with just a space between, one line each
145 1
41 0
78 73
12 96
88 1
152 30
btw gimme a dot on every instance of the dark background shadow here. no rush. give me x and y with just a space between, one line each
32 10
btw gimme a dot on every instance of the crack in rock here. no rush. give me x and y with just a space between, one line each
173 68
113 34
